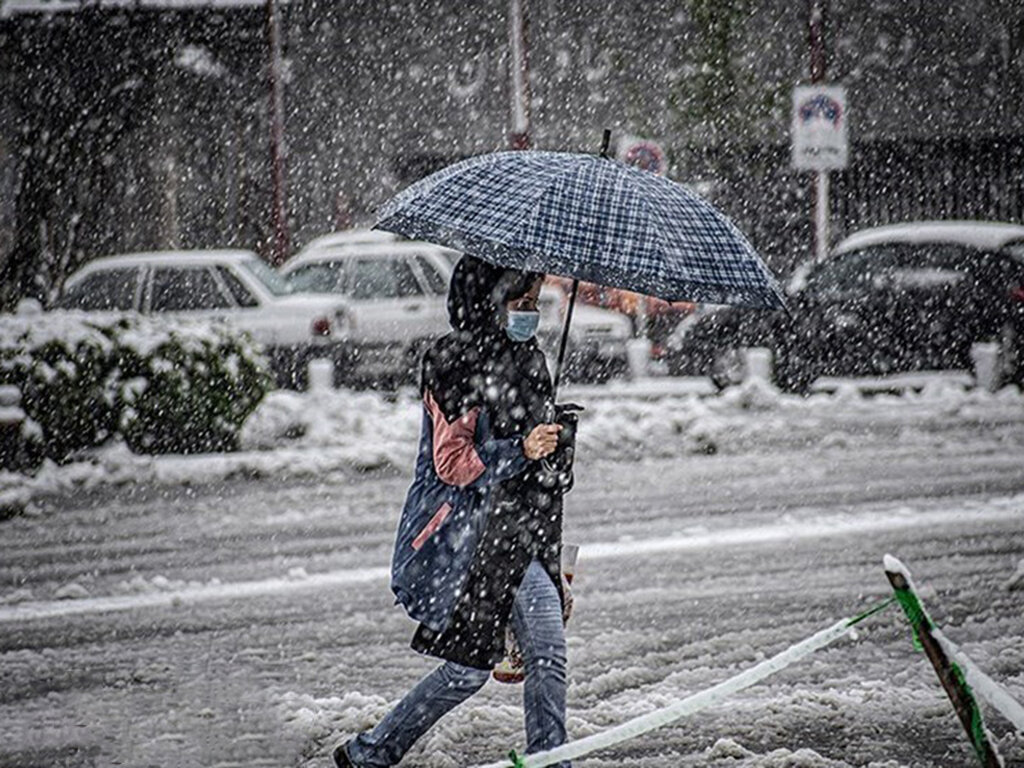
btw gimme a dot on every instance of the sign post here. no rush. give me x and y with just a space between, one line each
280 243
520 71
819 144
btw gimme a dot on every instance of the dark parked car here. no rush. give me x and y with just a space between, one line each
908 297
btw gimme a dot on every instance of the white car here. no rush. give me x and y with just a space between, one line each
232 285
396 292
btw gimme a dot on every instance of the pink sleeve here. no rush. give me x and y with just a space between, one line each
456 460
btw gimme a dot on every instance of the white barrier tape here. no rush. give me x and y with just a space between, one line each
687 706
983 685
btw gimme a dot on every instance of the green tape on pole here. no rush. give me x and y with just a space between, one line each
979 736
950 675
915 612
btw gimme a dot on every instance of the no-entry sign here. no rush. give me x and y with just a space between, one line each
642 153
819 127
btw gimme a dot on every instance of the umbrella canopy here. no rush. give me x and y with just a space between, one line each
587 218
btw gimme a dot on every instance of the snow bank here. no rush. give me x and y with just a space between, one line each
315 433
384 427
626 421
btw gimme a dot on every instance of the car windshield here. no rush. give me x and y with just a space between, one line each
328 277
384 278
550 304
895 265
275 283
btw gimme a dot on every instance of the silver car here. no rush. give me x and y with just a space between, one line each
395 294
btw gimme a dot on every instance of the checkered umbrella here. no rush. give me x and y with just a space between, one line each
587 218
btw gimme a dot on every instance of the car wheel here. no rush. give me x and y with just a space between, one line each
599 370
794 373
287 365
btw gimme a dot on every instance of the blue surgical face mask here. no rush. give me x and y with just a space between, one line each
522 325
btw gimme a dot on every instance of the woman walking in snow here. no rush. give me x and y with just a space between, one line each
479 542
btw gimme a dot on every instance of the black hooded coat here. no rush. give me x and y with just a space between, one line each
476 376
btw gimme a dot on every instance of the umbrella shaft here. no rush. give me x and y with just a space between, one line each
565 339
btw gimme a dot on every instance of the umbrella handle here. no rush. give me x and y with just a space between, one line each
564 341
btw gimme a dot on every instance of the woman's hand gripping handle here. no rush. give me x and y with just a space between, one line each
541 441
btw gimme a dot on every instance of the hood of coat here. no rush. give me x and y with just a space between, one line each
478 365
478 292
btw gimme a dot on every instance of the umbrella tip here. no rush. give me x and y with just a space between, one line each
606 140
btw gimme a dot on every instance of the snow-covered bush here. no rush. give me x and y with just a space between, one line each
190 392
65 371
163 386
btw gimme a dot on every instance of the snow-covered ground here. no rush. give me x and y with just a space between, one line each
233 610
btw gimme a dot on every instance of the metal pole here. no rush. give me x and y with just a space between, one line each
816 34
170 224
171 230
821 211
520 136
280 245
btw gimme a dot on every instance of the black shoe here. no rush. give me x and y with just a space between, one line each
340 756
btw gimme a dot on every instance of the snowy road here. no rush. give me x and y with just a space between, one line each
237 623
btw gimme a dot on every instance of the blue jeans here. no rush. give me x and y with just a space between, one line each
537 623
